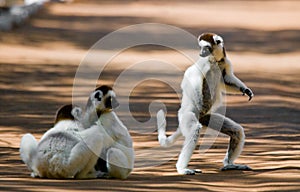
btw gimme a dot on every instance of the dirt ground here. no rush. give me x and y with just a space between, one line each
39 61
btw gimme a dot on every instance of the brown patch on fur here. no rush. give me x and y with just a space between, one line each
224 51
208 37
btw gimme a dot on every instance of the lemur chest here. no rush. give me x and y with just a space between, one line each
210 88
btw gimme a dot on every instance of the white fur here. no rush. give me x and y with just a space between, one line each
118 149
218 38
192 105
64 151
203 43
69 151
28 150
89 116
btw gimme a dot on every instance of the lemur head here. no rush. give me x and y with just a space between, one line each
100 101
211 44
105 99
68 112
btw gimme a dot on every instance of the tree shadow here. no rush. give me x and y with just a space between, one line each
30 95
84 31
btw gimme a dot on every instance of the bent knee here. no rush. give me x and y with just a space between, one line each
117 158
239 133
118 165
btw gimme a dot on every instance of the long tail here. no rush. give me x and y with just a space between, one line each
28 148
165 141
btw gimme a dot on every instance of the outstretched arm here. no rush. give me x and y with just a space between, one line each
232 83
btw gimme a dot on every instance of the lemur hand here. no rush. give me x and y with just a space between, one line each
249 93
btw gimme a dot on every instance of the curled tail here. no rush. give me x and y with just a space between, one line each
165 141
28 148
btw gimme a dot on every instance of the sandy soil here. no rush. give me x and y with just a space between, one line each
39 61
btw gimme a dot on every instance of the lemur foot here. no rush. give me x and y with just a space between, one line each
236 167
189 171
101 174
34 175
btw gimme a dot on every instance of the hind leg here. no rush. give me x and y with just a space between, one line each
84 155
237 138
161 129
190 128
119 164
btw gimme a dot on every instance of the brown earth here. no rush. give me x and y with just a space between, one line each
39 61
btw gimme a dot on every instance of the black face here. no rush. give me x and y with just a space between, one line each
207 50
107 100
111 102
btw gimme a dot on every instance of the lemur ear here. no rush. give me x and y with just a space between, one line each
114 103
205 47
218 39
76 112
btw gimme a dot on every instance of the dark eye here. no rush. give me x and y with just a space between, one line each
218 42
98 96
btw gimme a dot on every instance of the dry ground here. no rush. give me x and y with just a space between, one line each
39 61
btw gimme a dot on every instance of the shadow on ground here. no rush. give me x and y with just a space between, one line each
84 31
30 95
